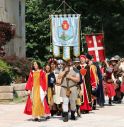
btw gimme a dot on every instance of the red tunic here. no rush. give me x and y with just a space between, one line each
110 90
43 83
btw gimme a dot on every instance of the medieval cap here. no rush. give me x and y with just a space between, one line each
88 56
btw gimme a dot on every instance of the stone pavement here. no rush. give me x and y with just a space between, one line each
11 115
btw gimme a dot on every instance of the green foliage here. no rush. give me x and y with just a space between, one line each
5 73
96 16
4 67
37 30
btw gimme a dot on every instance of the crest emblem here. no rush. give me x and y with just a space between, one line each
65 25
65 31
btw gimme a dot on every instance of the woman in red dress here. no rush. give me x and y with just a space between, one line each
37 87
85 86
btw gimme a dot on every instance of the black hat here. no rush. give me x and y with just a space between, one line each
88 56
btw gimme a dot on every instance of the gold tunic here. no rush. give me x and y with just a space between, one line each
38 108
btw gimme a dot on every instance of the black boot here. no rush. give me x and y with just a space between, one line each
53 112
110 101
65 116
73 115
59 110
94 105
58 113
78 110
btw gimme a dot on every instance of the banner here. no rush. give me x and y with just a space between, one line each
65 30
96 46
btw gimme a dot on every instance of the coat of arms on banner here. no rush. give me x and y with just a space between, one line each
65 32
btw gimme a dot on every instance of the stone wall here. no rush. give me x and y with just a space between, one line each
13 11
7 93
19 90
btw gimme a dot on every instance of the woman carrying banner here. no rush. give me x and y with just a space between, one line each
36 87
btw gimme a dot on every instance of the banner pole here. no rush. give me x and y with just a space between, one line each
64 6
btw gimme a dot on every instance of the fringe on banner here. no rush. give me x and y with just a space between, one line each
56 51
66 53
76 51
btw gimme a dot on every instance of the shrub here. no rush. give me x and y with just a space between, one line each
5 73
5 79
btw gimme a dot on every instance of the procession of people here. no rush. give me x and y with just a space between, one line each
72 88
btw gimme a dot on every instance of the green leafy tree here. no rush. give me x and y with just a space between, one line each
96 16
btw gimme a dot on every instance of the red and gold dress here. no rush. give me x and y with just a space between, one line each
37 84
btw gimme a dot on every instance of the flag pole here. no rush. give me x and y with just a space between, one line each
102 27
103 37
64 4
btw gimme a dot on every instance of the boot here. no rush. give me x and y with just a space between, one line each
59 110
78 110
58 113
110 101
53 112
94 105
73 115
65 116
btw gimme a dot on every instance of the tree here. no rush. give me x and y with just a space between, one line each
96 16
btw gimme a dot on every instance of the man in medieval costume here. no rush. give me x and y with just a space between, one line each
69 91
94 80
100 94
76 66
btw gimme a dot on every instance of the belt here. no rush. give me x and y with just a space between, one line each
69 86
57 84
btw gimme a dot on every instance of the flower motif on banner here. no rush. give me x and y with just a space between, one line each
65 32
65 25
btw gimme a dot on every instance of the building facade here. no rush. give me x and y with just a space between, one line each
13 11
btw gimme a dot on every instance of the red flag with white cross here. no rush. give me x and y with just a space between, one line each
96 46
